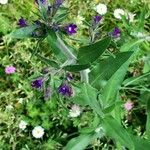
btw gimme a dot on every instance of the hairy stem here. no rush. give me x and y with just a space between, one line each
72 60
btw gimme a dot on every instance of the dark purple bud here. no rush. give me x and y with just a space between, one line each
42 1
47 94
69 76
55 27
65 90
115 33
71 29
45 70
37 22
58 3
97 19
38 83
22 22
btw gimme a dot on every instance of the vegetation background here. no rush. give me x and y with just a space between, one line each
15 90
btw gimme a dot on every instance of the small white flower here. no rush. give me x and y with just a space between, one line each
99 129
20 100
131 16
22 125
118 13
79 20
101 9
38 132
9 107
3 2
74 111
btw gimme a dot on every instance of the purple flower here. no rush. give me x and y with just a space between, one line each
97 19
65 90
22 22
10 70
71 29
38 83
42 1
115 33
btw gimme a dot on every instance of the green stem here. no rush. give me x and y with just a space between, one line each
71 59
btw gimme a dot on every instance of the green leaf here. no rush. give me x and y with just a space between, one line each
142 20
130 45
90 53
104 70
76 68
80 142
141 144
59 48
113 129
137 80
61 14
24 32
88 96
113 85
148 116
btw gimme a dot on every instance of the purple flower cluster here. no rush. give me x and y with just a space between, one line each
65 90
38 83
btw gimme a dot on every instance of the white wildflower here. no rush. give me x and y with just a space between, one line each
131 16
118 13
3 2
74 111
9 107
101 9
38 132
20 100
79 20
98 130
22 125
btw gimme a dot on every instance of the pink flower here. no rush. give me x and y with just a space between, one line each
128 105
10 70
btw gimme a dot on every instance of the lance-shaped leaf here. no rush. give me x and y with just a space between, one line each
90 53
148 115
59 47
141 144
76 68
104 70
24 32
88 96
80 142
114 130
110 90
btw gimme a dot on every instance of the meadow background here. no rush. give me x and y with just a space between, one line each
16 92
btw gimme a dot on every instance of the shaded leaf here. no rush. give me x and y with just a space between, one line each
117 132
24 32
80 142
104 70
88 96
76 68
90 53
